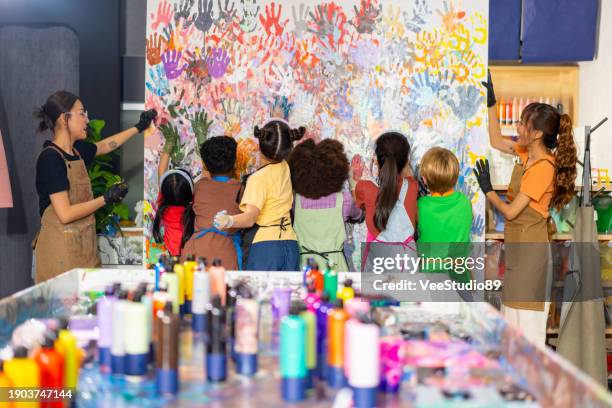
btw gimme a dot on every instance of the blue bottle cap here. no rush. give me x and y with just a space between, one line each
246 364
166 381
198 322
293 389
364 397
216 367
136 364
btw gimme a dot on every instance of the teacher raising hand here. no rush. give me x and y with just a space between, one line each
67 236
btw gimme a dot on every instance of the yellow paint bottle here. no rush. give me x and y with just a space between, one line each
23 372
66 345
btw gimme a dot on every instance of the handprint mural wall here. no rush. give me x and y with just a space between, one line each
344 69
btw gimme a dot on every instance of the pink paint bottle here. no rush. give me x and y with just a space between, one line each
391 366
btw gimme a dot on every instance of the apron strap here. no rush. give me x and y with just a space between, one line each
282 226
235 237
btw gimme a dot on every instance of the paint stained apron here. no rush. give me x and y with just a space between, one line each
61 247
527 253
321 234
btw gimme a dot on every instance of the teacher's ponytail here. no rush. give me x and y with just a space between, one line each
565 164
558 136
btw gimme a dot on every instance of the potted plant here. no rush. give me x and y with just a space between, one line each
102 177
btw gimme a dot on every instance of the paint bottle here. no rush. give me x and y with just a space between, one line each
508 113
216 342
347 291
119 334
311 298
293 356
51 368
66 345
336 320
180 275
331 281
23 372
136 337
160 298
391 366
217 280
322 309
104 314
310 321
190 266
306 272
231 295
147 301
201 298
247 344
171 279
5 382
159 269
364 371
502 111
515 111
281 302
167 352
521 108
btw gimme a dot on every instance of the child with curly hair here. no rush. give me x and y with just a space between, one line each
318 173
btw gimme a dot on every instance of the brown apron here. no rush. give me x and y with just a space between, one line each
526 280
61 247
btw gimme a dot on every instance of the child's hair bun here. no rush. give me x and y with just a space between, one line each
297 134
258 132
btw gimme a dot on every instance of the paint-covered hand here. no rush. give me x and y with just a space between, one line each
491 101
200 126
483 175
145 119
222 220
115 193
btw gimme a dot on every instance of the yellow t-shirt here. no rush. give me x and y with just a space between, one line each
270 190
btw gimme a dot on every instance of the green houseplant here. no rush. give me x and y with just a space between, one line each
102 177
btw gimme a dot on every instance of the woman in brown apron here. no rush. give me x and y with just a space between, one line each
543 177
67 236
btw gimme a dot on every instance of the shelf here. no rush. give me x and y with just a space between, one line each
604 284
556 237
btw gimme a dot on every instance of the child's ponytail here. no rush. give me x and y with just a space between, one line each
188 224
387 193
157 235
392 150
565 164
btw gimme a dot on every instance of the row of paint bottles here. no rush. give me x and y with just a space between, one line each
509 109
55 364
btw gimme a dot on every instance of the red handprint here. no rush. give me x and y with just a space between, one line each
164 15
328 22
357 167
154 46
271 22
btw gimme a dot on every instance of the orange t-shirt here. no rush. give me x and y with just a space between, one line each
537 181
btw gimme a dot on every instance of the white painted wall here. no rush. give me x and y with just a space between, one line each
596 91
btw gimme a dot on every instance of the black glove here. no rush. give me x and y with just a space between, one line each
145 119
481 171
115 193
491 101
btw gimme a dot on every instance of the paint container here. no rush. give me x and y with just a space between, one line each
347 291
336 320
293 355
247 344
201 298
104 313
311 298
189 266
321 310
171 279
66 346
136 340
330 279
159 269
364 371
51 368
23 372
217 280
180 274
310 320
166 352
216 342
391 366
119 334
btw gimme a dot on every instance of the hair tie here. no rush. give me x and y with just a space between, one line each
180 171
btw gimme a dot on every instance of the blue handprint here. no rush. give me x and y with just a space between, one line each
478 225
158 83
466 102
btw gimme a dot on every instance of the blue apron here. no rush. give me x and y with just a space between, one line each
236 240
